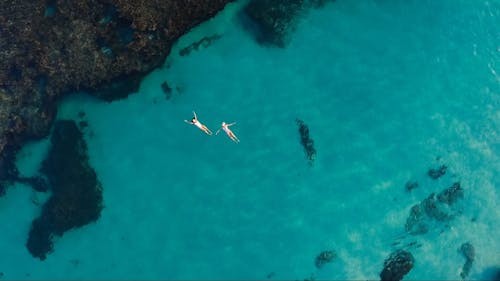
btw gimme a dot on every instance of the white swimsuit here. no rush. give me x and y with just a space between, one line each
226 129
198 124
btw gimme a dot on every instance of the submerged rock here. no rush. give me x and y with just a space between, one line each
76 198
324 258
306 141
452 194
397 265
433 208
469 253
410 185
437 173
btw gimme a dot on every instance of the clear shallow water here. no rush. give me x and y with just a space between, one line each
384 86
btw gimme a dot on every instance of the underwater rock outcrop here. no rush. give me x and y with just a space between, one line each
76 198
324 258
397 265
203 42
306 141
105 47
433 208
274 21
437 173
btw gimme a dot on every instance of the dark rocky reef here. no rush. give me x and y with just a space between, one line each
76 198
52 47
306 141
397 265
272 22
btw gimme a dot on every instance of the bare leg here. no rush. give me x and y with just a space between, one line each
207 130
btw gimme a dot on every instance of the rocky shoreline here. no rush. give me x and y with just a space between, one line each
50 48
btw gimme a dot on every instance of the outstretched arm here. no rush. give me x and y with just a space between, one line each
231 124
189 122
194 113
217 131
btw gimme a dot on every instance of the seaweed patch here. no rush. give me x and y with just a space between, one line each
306 141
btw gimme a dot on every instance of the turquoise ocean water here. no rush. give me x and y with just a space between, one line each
388 89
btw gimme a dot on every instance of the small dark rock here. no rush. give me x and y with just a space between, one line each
410 185
437 173
166 90
324 258
81 114
397 265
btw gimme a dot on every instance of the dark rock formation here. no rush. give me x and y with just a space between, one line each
76 198
324 258
469 253
452 194
437 173
306 141
432 209
273 21
52 47
415 223
397 265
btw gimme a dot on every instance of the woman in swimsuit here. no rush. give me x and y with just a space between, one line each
228 131
194 121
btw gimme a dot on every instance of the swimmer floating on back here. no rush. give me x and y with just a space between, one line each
194 121
228 131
